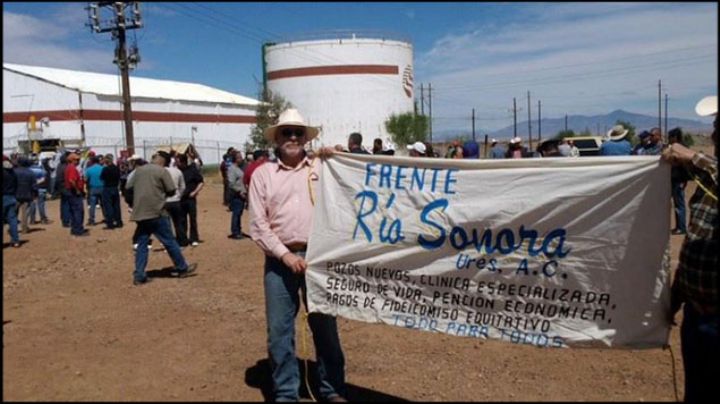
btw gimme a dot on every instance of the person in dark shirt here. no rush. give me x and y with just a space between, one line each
194 182
110 176
26 191
355 144
9 201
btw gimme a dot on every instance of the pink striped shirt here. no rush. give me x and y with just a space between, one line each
281 209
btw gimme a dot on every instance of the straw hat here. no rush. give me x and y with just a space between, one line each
617 132
707 106
291 117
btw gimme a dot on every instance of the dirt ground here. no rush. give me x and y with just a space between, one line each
76 329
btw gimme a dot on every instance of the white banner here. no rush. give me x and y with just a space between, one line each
549 252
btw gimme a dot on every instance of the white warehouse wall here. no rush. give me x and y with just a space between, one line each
26 95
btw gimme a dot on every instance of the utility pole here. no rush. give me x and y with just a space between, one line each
666 118
660 106
430 108
565 122
514 118
529 123
473 124
422 100
539 125
118 26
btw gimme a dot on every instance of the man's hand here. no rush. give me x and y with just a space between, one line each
296 263
325 152
677 154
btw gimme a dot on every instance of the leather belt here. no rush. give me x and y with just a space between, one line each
297 247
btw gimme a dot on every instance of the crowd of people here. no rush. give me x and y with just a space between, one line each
279 194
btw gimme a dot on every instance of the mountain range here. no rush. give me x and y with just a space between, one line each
596 124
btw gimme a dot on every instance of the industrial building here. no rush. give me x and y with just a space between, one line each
86 108
343 85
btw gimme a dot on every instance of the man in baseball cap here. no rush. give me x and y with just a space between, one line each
417 149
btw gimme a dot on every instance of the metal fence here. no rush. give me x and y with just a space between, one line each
211 151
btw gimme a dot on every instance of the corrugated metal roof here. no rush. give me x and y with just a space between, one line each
109 84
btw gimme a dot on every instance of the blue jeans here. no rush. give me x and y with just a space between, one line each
282 302
111 204
700 341
10 217
65 207
95 197
678 198
77 213
160 227
237 204
39 205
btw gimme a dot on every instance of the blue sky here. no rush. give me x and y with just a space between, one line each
577 58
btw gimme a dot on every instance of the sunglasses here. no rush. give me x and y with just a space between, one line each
287 132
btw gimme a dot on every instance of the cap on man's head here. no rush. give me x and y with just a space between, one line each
418 147
644 134
109 156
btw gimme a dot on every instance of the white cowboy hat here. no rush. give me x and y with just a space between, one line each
515 140
707 106
418 147
135 157
291 117
617 132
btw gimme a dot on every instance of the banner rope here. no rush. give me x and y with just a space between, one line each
304 352
674 372
310 179
707 191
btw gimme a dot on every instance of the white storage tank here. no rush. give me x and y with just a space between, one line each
343 85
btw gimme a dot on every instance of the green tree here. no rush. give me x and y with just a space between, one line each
407 128
631 131
565 133
266 115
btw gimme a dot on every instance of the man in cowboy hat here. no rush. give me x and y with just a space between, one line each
616 145
516 150
496 150
281 213
696 279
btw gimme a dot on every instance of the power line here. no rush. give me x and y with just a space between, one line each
595 63
582 76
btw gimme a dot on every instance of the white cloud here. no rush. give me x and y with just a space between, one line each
44 42
584 58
